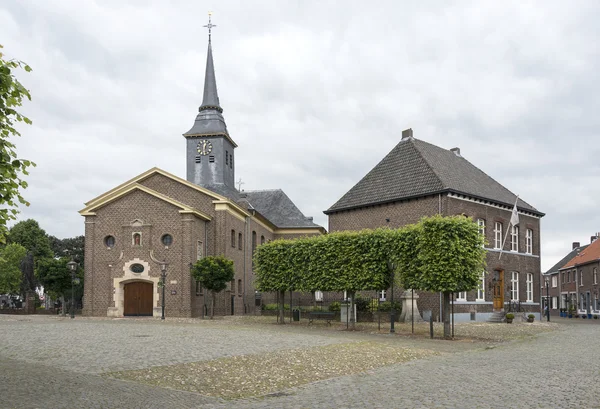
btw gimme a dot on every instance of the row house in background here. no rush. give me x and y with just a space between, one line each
552 284
577 281
417 179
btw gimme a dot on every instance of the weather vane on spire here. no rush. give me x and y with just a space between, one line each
209 25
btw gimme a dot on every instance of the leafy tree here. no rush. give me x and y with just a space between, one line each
30 235
70 247
213 273
55 276
442 254
12 169
10 268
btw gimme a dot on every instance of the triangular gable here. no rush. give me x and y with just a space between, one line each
127 189
149 173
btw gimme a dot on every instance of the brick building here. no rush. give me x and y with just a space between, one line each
157 217
419 179
574 285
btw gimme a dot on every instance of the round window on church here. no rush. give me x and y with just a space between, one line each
109 241
137 268
167 239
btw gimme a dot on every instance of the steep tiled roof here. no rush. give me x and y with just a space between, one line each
561 263
416 168
591 253
277 207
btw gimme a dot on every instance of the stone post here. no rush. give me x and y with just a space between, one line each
409 307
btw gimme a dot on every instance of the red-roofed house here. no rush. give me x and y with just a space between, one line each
579 281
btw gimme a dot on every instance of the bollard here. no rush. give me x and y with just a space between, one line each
431 326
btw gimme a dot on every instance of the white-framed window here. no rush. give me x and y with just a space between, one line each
481 225
514 286
554 303
580 278
481 288
554 281
529 242
514 238
382 295
497 235
461 296
318 296
529 287
595 275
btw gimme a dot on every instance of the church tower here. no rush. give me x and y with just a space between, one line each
209 148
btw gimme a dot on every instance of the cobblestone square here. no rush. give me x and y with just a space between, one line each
50 362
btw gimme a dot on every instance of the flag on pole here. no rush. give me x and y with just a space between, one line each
514 217
514 220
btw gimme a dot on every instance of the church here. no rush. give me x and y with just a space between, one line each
158 220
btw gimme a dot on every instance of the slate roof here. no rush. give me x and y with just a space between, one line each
415 168
591 253
561 263
277 207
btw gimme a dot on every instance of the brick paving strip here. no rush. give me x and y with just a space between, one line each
254 375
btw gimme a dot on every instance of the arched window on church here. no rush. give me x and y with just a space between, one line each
137 239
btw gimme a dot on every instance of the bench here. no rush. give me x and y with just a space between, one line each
320 315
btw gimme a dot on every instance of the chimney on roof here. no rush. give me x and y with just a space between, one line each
576 244
593 238
309 218
456 151
407 133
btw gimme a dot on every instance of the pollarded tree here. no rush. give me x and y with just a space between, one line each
12 169
442 254
277 267
10 268
213 273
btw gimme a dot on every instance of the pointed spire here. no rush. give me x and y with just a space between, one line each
211 97
209 120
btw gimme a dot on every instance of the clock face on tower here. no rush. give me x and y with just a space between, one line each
204 147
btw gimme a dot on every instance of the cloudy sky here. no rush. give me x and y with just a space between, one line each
315 93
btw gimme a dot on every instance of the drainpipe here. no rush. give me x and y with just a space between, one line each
246 227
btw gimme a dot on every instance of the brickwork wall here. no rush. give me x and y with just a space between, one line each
159 218
398 213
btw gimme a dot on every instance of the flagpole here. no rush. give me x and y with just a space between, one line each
509 224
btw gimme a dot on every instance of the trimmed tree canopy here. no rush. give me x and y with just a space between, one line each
213 272
442 254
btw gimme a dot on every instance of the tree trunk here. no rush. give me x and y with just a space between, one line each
282 307
212 307
446 314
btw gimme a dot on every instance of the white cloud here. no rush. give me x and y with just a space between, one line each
314 94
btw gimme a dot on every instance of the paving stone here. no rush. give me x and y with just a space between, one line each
55 363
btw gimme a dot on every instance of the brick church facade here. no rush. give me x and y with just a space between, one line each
158 218
419 179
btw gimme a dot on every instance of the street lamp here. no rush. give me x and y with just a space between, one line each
391 269
163 276
74 280
547 299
